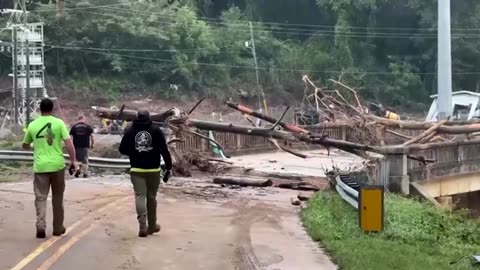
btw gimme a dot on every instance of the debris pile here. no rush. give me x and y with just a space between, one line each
335 108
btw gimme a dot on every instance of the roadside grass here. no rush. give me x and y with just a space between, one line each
11 171
416 235
11 144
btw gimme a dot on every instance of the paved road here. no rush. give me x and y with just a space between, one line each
203 227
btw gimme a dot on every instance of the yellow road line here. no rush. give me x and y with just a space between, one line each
63 248
45 245
48 263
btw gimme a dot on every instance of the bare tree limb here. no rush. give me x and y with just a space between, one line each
353 91
280 147
398 134
280 119
275 142
195 106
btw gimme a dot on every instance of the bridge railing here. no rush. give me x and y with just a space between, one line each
450 159
397 170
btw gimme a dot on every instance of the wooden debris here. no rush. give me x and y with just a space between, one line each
421 159
426 134
246 110
130 115
243 181
305 186
304 197
295 201
449 127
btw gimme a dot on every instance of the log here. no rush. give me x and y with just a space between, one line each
353 148
243 181
269 119
281 135
239 129
130 115
448 128
427 133
305 186
428 138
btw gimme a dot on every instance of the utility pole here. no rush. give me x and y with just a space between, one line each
27 56
444 79
15 77
260 93
59 8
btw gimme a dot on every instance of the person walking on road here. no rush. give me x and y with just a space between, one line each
47 133
83 139
144 143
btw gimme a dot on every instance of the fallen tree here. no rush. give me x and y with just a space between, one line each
267 118
130 115
445 128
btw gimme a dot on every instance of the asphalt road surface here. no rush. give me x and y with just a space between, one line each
203 227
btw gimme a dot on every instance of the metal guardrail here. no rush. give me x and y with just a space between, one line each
347 188
27 156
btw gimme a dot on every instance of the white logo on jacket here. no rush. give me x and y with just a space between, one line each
143 141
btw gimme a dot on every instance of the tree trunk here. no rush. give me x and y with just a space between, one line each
450 127
130 115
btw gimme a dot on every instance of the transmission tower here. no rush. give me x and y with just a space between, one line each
27 64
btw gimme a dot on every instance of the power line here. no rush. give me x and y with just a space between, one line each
129 50
301 25
328 33
263 68
80 8
298 31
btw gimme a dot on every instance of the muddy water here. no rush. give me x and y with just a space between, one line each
469 201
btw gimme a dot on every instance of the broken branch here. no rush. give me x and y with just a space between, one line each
275 142
426 133
246 110
195 106
280 119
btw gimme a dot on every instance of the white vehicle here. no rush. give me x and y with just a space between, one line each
465 106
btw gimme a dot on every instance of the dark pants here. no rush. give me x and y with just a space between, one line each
41 186
146 186
82 156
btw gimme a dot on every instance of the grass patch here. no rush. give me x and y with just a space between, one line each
12 143
416 235
11 171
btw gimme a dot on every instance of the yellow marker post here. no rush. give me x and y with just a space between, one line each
371 208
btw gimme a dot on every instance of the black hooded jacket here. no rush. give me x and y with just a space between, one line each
143 143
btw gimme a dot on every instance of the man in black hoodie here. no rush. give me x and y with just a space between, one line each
143 143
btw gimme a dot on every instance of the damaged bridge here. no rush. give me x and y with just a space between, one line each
453 169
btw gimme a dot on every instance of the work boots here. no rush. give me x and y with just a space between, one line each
143 231
155 229
41 234
62 231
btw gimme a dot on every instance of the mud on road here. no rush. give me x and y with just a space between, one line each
204 226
